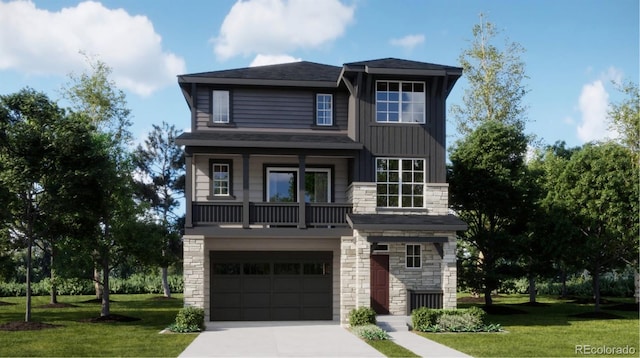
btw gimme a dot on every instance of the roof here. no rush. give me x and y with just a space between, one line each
282 74
267 140
395 66
405 222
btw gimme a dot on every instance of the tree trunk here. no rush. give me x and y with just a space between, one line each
532 288
105 309
563 277
27 315
596 289
165 282
487 296
636 276
96 283
54 287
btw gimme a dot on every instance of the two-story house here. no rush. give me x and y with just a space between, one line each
314 189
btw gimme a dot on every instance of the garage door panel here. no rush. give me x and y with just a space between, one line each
228 300
256 284
286 300
287 284
271 285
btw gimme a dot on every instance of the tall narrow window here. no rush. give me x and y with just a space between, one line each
400 102
221 173
413 256
324 109
220 106
400 182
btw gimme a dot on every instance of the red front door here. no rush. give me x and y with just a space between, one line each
380 283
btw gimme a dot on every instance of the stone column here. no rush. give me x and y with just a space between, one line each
449 273
347 277
363 197
437 198
194 272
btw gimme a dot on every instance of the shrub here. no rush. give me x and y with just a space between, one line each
362 316
370 332
451 320
189 319
424 317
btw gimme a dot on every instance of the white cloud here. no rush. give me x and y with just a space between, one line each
263 60
41 42
280 26
408 42
593 104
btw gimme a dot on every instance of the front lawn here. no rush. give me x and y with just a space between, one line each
554 328
76 336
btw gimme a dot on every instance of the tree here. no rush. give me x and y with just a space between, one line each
161 165
495 77
487 191
598 187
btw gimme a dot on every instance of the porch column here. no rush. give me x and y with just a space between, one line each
188 191
302 214
195 293
245 191
449 273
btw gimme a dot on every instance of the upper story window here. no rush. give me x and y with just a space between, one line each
282 185
324 109
220 107
400 102
400 182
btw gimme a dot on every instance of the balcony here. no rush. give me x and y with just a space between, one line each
281 214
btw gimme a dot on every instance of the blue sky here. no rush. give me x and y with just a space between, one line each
574 49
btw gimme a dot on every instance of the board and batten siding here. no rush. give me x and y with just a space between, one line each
202 182
403 140
271 108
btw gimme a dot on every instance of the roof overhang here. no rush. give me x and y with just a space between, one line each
267 140
186 79
380 222
420 239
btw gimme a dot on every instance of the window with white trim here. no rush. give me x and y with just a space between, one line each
400 102
413 257
400 182
324 109
220 106
221 171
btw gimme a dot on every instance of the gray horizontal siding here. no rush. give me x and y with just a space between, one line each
271 108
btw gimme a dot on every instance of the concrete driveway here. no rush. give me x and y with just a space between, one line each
278 339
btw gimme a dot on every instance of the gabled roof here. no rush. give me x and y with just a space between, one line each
304 73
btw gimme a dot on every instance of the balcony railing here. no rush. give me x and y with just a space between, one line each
286 214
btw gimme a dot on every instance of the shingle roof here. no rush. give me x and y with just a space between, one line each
295 71
267 140
400 64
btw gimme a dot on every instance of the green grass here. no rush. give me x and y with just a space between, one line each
546 331
76 338
390 349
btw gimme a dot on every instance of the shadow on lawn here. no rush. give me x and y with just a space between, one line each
555 314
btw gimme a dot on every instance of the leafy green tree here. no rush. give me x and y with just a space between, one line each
598 187
160 162
625 118
487 190
28 125
495 77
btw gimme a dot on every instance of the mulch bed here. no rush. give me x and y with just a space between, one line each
629 307
535 304
161 298
96 300
25 326
2 303
112 318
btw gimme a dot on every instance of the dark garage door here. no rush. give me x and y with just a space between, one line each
271 285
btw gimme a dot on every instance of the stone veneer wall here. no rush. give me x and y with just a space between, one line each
363 196
196 280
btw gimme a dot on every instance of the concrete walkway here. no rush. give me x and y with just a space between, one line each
299 339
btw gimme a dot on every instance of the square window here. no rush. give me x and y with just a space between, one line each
400 182
400 102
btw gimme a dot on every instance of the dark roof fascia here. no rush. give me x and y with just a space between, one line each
383 239
266 144
382 222
269 233
256 82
